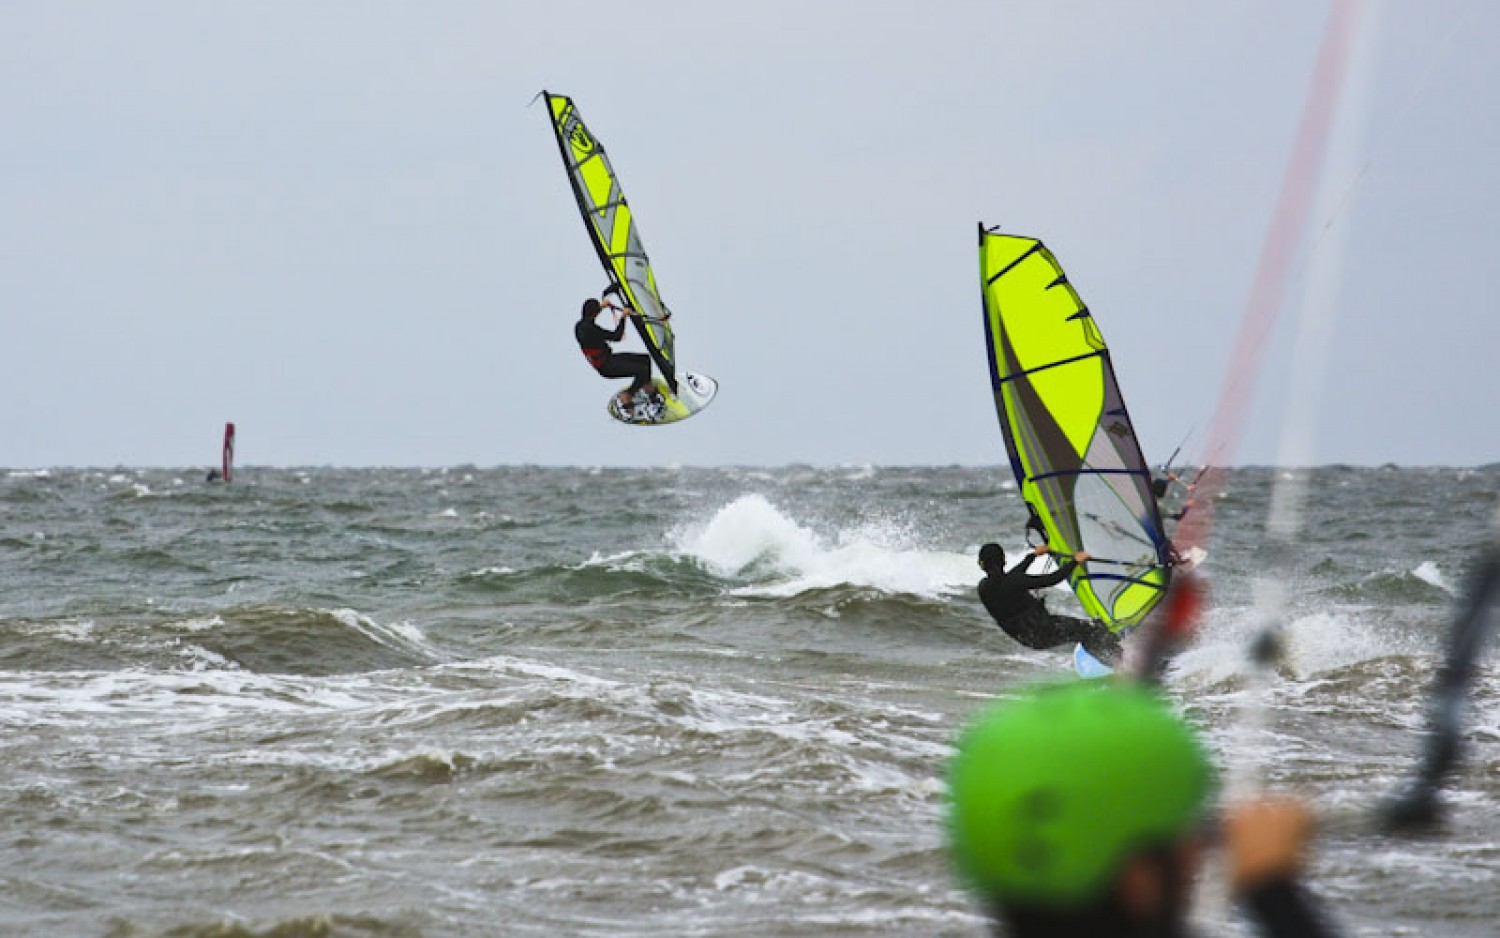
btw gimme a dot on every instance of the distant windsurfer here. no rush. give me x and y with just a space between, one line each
595 341
1163 486
1007 594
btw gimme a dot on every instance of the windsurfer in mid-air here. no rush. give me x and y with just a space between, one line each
595 341
1022 616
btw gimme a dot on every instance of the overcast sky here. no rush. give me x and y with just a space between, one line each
342 226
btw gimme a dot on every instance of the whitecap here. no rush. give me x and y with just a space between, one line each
393 635
1324 641
200 624
202 659
1427 571
1311 644
752 537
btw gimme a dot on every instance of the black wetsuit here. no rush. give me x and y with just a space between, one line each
1284 909
1280 909
594 341
1023 617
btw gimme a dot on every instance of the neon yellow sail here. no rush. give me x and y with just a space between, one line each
612 227
1070 441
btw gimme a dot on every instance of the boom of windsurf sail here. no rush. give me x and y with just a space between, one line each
1071 444
612 228
228 470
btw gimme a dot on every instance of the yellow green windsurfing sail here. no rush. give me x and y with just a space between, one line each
1071 444
612 227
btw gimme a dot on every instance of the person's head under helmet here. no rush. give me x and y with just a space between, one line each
1075 810
992 558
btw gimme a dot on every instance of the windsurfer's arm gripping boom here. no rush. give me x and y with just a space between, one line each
620 315
1081 556
644 318
627 311
614 288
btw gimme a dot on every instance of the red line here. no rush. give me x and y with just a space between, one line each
1299 187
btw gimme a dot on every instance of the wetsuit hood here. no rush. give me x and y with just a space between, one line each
992 556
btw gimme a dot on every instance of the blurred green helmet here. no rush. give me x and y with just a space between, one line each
1050 793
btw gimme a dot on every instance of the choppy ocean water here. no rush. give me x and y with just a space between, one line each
534 701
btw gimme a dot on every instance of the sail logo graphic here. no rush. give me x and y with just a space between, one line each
581 140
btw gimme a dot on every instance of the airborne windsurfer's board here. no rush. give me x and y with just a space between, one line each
694 392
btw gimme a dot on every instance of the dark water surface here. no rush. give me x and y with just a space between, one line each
615 702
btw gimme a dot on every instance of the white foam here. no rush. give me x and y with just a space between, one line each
1312 644
200 624
545 670
184 699
202 659
629 560
392 635
751 537
77 630
1325 641
747 531
1428 572
30 474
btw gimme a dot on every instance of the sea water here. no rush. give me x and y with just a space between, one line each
614 702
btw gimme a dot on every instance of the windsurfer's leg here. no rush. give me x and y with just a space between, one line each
631 365
1095 638
628 365
1034 628
639 368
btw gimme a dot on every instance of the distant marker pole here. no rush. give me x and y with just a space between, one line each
228 464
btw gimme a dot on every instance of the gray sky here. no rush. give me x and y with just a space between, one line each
340 225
